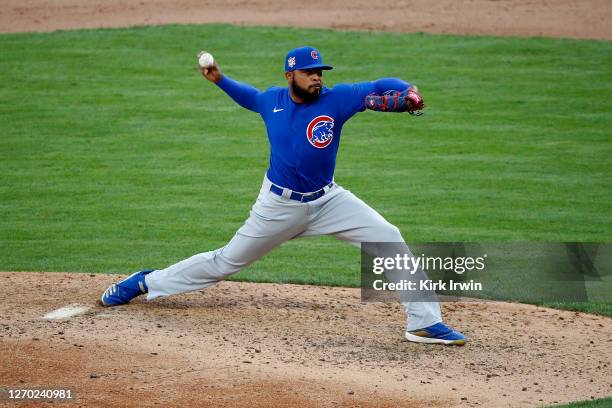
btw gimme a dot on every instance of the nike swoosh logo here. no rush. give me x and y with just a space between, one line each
277 110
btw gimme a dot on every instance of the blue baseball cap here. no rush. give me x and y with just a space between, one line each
304 58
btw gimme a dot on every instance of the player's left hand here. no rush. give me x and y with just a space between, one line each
414 101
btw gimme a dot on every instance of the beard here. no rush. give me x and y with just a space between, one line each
308 95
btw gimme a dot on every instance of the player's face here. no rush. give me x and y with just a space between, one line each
306 84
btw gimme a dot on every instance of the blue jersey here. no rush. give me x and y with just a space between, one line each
304 137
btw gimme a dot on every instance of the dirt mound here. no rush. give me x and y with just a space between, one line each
560 18
245 344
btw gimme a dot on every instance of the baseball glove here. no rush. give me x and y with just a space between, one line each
414 102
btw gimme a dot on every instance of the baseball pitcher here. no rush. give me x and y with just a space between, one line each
298 196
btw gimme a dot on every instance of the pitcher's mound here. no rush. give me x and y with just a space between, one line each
272 345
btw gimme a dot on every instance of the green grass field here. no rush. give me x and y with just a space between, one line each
117 155
599 403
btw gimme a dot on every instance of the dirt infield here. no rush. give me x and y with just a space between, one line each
555 18
262 345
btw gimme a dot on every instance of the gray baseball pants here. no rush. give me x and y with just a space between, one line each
275 219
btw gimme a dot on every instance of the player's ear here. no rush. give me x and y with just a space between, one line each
289 75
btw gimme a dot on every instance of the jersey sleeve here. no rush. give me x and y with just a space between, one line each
353 95
389 84
243 94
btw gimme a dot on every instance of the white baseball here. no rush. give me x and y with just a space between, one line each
206 60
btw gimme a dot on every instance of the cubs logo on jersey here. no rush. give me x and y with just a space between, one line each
320 131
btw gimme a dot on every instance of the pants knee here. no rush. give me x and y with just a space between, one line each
390 233
228 266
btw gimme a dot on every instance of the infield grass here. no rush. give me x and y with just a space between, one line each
598 403
117 155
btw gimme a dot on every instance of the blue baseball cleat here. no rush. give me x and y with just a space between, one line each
122 292
437 333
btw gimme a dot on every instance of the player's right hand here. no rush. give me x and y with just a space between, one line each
212 73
